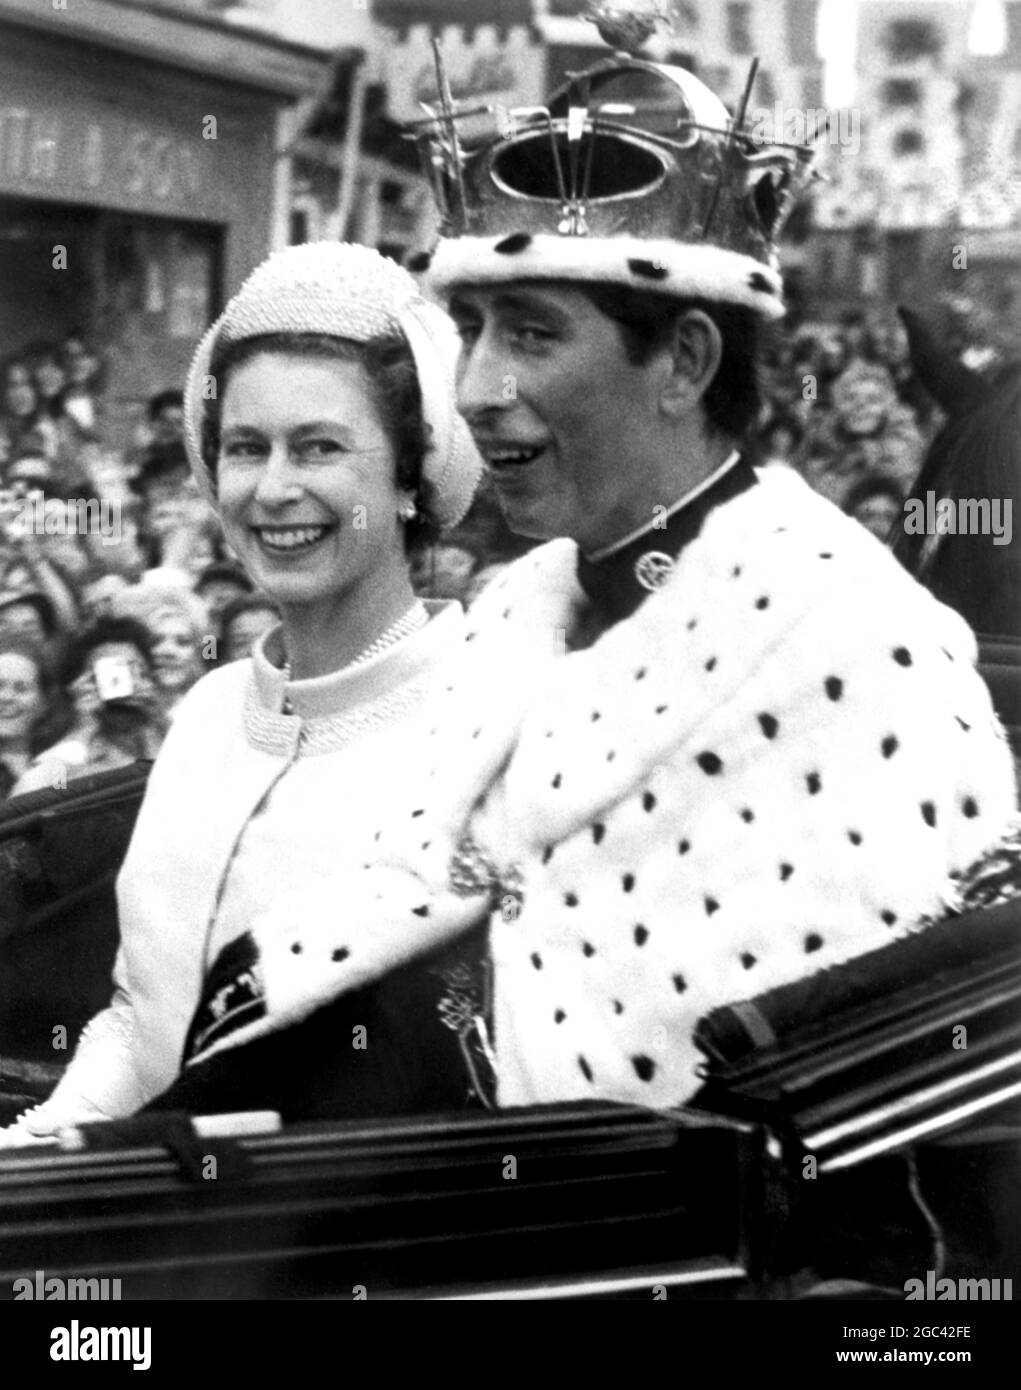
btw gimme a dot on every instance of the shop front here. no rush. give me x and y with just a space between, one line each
135 192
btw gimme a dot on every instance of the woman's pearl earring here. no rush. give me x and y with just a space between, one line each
408 510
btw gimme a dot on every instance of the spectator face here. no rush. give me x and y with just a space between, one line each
448 575
306 479
19 393
863 407
23 619
20 696
245 631
167 507
168 425
217 593
174 652
50 378
81 364
100 595
878 513
28 475
554 404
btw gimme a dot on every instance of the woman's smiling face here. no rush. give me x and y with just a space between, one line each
306 477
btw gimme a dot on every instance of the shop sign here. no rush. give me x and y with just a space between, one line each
98 159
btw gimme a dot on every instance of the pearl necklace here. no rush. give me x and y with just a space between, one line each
412 621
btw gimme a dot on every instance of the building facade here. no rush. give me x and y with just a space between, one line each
138 177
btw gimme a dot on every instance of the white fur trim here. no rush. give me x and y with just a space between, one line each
700 271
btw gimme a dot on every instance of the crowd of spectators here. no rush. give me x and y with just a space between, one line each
101 635
102 629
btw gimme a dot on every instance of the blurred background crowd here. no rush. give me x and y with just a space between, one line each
152 152
100 636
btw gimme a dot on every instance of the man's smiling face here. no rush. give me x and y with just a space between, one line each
556 407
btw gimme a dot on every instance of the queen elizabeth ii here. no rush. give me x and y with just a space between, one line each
321 425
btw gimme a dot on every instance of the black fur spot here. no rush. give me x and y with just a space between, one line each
683 846
680 984
969 806
556 781
645 1067
825 554
785 872
628 882
588 948
769 724
813 942
762 602
570 899
966 727
711 664
598 831
618 1007
296 948
889 745
711 906
641 673
814 783
747 959
888 917
514 244
596 716
341 953
648 270
422 260
854 836
710 763
747 815
536 960
692 624
559 1016
419 812
757 281
648 801
928 813
902 656
834 687
662 709
422 911
547 854
586 1070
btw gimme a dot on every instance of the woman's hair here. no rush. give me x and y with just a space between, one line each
391 371
55 717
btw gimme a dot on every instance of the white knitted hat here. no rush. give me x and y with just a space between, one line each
349 291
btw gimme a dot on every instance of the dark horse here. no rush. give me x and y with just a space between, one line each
975 459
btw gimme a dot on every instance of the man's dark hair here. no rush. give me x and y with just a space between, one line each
733 401
98 634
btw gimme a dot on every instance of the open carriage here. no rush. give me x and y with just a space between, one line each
855 1130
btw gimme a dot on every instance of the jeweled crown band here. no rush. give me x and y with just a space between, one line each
633 174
